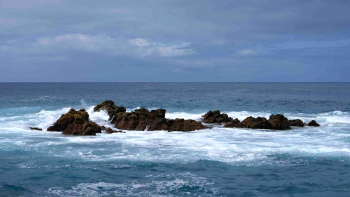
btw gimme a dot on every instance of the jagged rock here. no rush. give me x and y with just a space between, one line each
233 123
216 117
296 123
279 122
75 123
87 128
110 130
110 107
255 123
313 123
158 124
143 119
36 128
184 125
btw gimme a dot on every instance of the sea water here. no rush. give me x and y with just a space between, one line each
308 161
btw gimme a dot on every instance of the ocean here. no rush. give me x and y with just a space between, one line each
308 161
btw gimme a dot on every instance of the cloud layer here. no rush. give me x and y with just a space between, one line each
156 40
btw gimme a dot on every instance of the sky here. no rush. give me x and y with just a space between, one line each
174 41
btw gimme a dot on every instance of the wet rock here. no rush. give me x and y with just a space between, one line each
279 122
142 119
184 125
110 107
234 123
110 130
296 123
216 117
36 128
313 123
255 123
75 123
158 124
87 128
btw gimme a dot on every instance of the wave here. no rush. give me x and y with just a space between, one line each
231 145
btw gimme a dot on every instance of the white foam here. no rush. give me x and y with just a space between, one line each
155 186
250 147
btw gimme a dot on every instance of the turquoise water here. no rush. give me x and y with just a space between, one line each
214 162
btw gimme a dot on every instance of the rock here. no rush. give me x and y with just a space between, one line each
75 123
296 123
87 128
158 124
142 119
110 107
110 130
158 113
233 123
216 117
279 122
36 128
255 123
184 125
313 123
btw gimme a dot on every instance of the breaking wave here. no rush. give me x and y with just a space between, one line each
230 145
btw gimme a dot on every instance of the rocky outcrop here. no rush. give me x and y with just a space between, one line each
36 128
275 122
255 123
75 123
234 123
184 125
142 119
216 117
296 123
313 123
279 122
110 107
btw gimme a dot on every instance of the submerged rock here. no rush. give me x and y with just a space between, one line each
313 123
296 123
110 130
75 123
36 128
279 122
216 117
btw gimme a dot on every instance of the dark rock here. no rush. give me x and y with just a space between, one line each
87 128
184 125
296 123
36 128
75 123
255 123
110 107
233 123
216 117
143 119
158 124
158 113
279 122
313 123
110 130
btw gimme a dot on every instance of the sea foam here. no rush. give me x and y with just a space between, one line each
230 145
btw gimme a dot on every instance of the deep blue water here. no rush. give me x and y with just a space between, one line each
213 162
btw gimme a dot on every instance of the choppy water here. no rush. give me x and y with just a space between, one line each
214 162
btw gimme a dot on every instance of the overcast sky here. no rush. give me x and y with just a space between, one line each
174 40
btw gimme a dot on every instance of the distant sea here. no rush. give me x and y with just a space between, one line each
309 161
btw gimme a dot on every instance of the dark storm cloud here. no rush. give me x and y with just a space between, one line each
174 40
